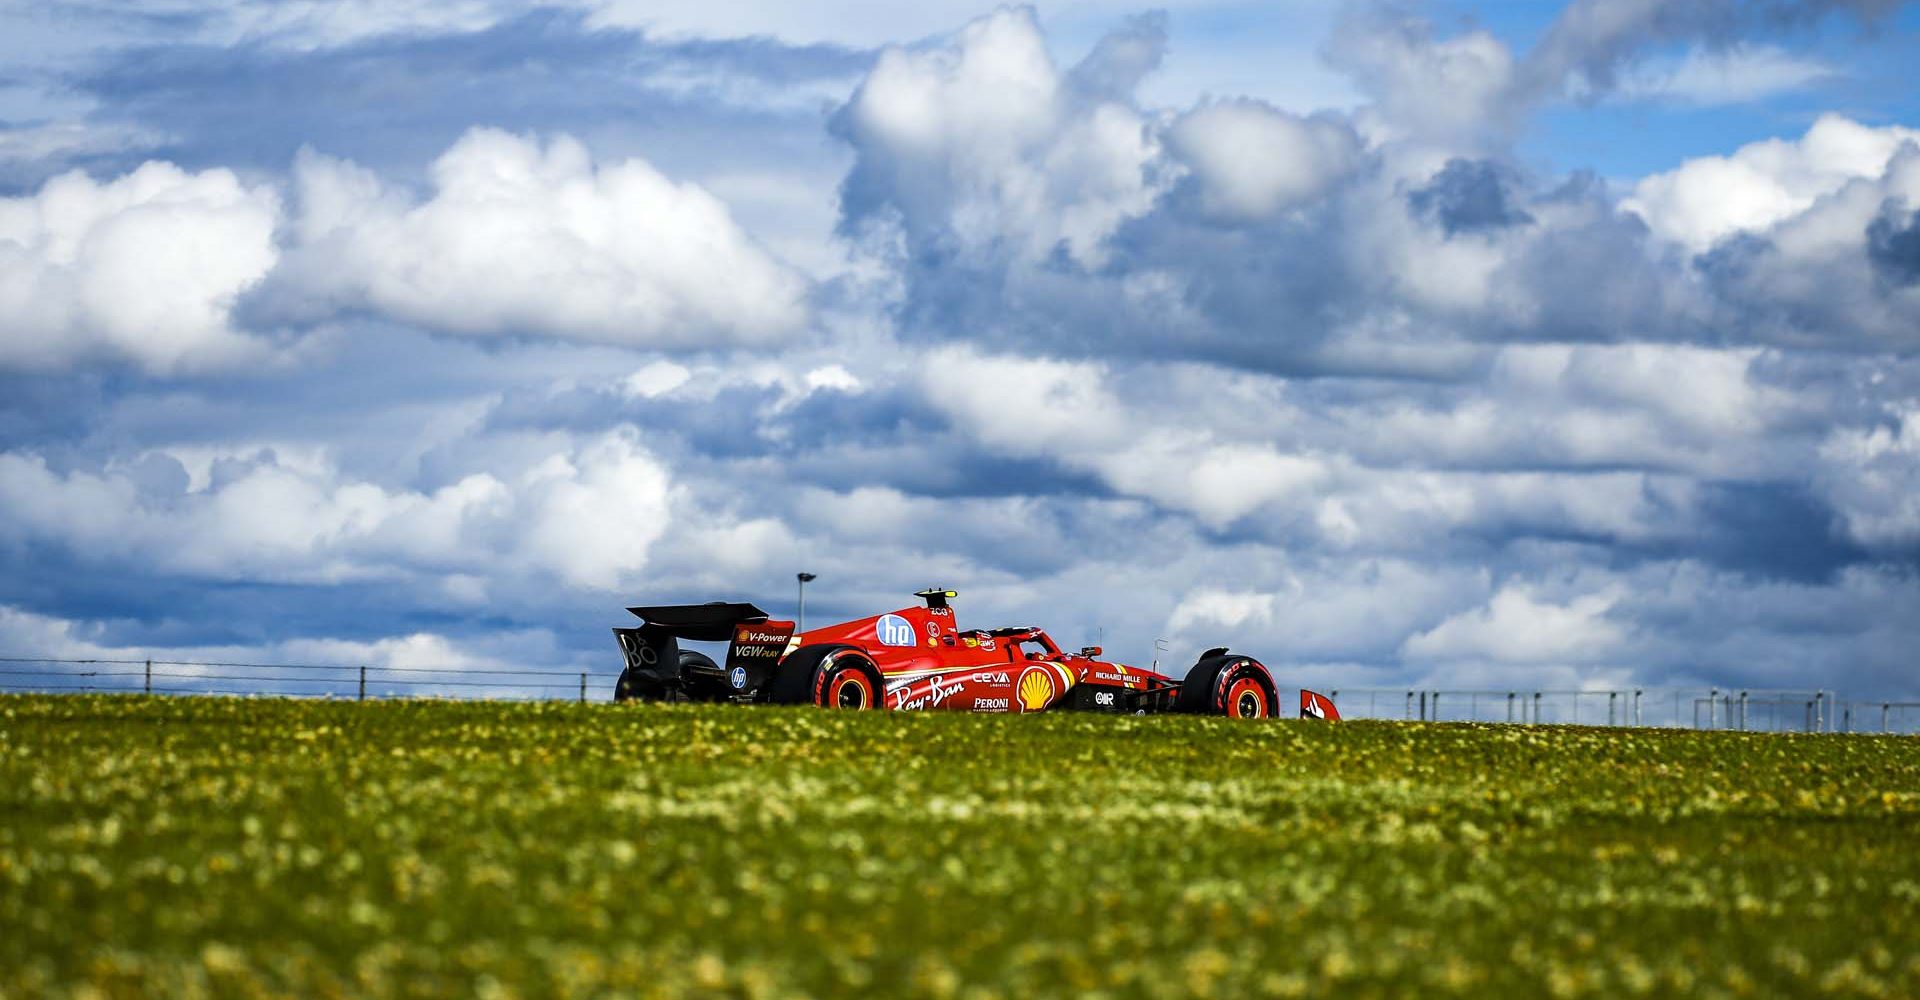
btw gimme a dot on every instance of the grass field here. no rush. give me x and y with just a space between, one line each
209 847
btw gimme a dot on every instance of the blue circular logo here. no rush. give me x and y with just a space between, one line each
893 630
739 678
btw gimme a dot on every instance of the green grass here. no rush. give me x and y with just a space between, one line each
210 847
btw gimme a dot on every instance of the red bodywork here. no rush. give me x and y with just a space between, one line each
926 662
918 658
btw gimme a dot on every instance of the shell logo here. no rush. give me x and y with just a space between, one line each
1036 689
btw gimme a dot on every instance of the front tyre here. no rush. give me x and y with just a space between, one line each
1234 686
1247 698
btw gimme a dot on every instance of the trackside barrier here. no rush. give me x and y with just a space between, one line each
1745 710
1689 708
304 680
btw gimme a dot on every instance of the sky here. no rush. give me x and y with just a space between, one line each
1468 345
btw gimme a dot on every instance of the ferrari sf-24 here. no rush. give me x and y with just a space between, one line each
918 658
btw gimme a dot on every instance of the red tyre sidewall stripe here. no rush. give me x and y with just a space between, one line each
821 674
1222 682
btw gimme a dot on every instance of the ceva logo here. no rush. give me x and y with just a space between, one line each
894 630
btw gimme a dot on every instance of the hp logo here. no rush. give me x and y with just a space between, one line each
893 630
739 678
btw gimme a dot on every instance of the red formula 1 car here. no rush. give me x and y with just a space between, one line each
918 658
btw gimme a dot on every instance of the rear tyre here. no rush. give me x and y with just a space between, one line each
701 679
638 687
1233 686
827 676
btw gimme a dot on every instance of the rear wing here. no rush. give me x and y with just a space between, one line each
699 622
652 651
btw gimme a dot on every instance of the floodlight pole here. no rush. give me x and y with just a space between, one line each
800 620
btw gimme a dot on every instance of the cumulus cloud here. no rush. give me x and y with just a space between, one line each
585 515
142 269
1809 241
1595 407
179 272
982 142
1613 451
1517 626
595 513
183 664
1250 159
1709 198
1872 477
1893 245
1237 232
1065 412
525 238
1215 608
1423 86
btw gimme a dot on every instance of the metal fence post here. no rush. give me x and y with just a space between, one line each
1883 715
1409 713
149 677
1509 706
1713 704
363 683
583 687
1436 706
1636 707
1423 706
1743 711
1612 698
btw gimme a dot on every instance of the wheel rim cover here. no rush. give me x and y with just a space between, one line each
849 690
1246 699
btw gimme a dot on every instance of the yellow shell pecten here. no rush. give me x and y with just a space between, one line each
1035 688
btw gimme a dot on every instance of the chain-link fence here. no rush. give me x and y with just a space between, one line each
1877 716
300 680
1745 710
1690 708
